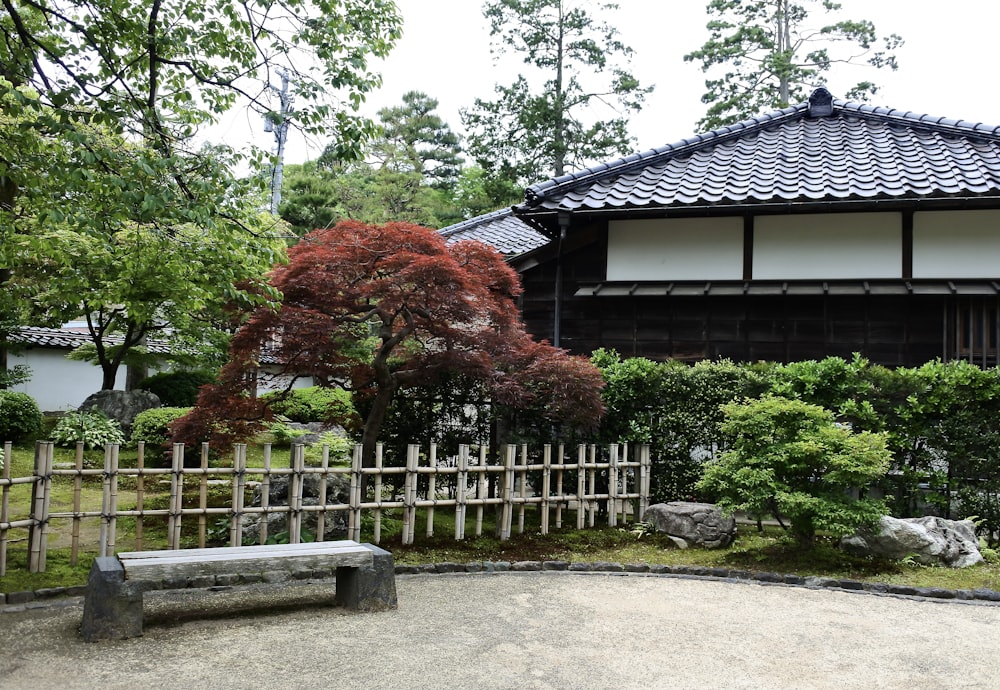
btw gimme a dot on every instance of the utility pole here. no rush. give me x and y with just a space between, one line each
278 123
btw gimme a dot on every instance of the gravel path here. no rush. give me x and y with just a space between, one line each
522 630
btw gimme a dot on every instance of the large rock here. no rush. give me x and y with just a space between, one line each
121 406
334 523
692 524
929 540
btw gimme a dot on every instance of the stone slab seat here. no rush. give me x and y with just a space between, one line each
112 607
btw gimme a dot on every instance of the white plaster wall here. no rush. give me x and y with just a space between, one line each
675 249
956 244
57 383
834 246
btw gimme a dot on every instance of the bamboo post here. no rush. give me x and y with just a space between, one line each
265 493
324 465
203 498
295 494
40 497
460 484
592 485
8 451
378 492
176 495
102 549
507 514
561 457
140 482
481 491
431 488
239 485
581 483
522 488
74 551
546 470
645 470
113 501
354 496
410 493
613 485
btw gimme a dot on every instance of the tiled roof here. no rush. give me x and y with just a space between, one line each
67 339
501 229
847 151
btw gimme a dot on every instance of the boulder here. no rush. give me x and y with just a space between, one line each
929 540
334 524
121 406
692 524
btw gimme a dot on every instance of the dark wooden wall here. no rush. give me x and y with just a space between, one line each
894 330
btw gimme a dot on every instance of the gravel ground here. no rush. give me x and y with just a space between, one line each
520 630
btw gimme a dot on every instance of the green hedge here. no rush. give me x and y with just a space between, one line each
314 404
20 418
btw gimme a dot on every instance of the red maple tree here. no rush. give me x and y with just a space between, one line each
377 309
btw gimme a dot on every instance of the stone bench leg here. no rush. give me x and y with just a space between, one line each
112 607
368 589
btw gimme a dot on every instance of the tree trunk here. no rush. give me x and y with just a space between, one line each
373 423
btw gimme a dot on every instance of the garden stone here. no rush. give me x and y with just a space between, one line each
929 540
692 524
121 406
314 431
334 523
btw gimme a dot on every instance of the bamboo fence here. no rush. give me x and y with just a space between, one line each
566 490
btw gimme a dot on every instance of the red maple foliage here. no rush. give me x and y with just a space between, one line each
377 309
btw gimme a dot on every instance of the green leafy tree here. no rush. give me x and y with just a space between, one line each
528 133
415 139
103 101
772 53
790 458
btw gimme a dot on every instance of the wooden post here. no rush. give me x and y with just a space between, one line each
431 488
8 454
581 483
74 552
265 493
203 498
410 492
140 482
546 469
645 471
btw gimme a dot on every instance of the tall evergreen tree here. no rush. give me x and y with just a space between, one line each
529 133
774 52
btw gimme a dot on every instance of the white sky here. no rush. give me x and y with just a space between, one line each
946 68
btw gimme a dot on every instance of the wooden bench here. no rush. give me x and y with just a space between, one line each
112 608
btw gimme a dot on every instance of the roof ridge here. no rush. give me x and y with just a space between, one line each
475 220
537 192
683 146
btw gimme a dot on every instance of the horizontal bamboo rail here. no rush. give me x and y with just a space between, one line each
550 481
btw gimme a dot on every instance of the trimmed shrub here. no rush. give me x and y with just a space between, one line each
314 404
177 388
153 426
91 427
20 417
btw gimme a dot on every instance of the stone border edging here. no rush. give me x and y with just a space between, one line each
66 596
813 582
